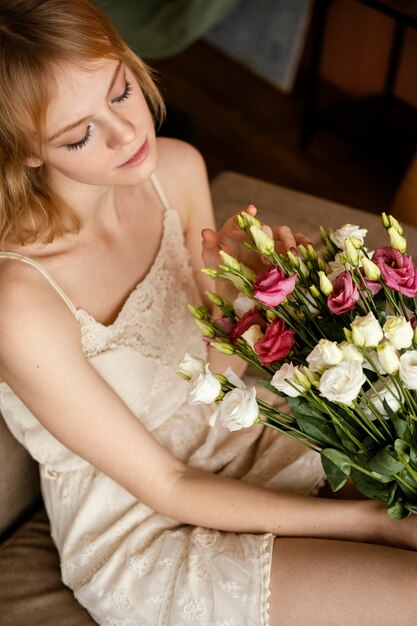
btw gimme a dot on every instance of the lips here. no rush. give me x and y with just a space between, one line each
138 157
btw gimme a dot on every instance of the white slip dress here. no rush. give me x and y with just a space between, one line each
126 564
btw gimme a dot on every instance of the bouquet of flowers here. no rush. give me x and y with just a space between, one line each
335 334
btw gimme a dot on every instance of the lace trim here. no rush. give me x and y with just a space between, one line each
265 561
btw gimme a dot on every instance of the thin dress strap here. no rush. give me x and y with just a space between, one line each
159 191
38 266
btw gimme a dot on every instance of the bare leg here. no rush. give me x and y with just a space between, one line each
320 582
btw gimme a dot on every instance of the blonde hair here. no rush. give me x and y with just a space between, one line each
35 36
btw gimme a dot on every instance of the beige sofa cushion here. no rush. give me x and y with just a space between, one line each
303 213
31 591
19 479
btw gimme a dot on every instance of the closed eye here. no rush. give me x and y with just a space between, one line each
125 94
80 144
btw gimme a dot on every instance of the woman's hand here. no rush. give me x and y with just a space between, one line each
230 238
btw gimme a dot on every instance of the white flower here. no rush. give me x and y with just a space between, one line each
336 267
252 335
242 305
350 352
342 382
234 378
388 357
366 331
348 230
324 355
204 388
310 302
278 380
237 410
399 331
408 369
385 391
191 366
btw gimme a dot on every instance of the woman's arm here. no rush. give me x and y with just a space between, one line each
42 361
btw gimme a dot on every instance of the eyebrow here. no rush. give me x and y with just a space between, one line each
74 124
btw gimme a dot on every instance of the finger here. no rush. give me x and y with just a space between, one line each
301 238
209 238
285 236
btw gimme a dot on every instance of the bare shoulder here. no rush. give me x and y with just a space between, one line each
183 175
30 311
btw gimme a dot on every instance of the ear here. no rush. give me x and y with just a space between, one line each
33 161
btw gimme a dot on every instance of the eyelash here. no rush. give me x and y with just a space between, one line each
80 144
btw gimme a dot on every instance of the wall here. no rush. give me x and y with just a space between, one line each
356 51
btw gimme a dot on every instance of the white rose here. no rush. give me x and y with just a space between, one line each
191 366
408 369
279 380
237 410
342 382
242 304
350 352
324 355
203 388
399 331
348 230
252 335
388 357
366 331
385 391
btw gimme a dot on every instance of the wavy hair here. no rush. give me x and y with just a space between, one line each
35 36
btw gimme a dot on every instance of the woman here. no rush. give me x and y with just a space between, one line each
151 525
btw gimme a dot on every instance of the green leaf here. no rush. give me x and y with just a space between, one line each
385 462
398 510
348 444
393 494
330 330
320 430
400 426
411 507
381 316
301 408
388 409
402 449
410 303
337 479
370 487
340 459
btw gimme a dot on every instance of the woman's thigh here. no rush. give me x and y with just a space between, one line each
319 582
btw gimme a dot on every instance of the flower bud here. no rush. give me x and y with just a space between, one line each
385 220
348 335
240 222
358 338
312 376
230 261
350 352
252 335
303 251
210 271
302 379
206 328
190 366
388 357
312 254
366 331
223 347
371 269
196 312
248 272
221 378
396 224
250 220
321 265
214 298
325 284
314 291
356 242
352 254
293 259
397 241
271 315
263 242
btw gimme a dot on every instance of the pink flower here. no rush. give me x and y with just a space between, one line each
226 323
413 322
276 344
246 321
397 270
273 287
344 294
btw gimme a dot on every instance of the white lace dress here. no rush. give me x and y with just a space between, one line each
128 565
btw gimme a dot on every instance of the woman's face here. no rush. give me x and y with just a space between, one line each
99 128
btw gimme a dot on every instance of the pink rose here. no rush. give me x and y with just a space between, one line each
273 287
397 270
246 321
275 344
344 294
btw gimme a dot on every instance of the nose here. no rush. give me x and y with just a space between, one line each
121 132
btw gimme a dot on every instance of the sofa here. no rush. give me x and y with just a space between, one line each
31 591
